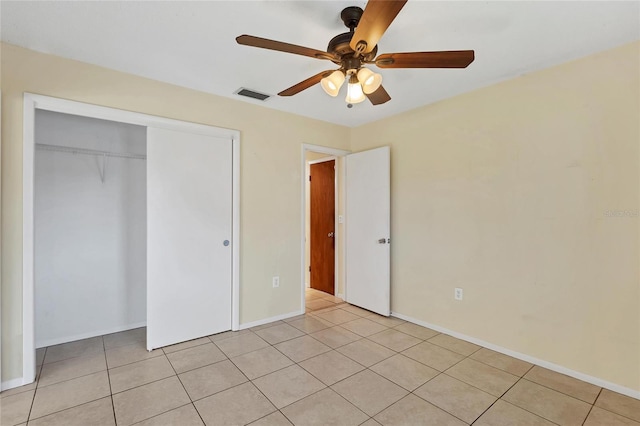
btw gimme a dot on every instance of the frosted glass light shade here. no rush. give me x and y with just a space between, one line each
370 80
354 93
332 83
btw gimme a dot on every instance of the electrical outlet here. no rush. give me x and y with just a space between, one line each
457 293
276 282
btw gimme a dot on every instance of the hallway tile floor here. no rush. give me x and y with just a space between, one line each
335 365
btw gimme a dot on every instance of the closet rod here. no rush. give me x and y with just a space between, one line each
71 150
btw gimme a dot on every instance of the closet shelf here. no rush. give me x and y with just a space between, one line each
84 151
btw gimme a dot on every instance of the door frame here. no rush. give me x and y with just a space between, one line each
48 103
336 196
340 187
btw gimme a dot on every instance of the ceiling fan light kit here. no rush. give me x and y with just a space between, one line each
370 80
333 83
359 46
355 95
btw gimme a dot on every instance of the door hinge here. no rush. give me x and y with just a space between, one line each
309 268
309 178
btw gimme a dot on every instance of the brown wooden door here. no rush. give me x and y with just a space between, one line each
322 229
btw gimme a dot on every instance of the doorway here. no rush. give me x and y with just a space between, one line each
362 233
328 274
322 210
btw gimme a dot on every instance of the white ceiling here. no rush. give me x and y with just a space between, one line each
192 44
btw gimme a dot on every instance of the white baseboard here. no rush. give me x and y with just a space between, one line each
10 384
268 320
73 338
340 295
542 363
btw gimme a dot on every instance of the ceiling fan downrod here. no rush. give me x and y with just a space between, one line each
351 16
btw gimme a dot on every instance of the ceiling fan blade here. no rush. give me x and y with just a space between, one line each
280 46
378 97
311 81
377 16
445 59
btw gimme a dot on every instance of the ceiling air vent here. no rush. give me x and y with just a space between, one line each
252 94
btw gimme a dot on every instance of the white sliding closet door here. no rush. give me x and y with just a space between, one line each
189 254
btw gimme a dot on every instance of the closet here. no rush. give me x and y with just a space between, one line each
133 226
90 227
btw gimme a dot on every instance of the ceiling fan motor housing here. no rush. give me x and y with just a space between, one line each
339 45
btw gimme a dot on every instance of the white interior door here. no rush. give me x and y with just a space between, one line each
368 211
189 255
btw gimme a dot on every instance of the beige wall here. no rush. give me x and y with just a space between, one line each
271 175
504 192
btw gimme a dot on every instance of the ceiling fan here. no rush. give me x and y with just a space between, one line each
353 49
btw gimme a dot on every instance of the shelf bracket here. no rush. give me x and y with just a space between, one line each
103 169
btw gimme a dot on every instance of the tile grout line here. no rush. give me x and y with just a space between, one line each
274 371
164 412
78 405
266 415
515 405
494 403
254 385
224 390
591 408
437 406
144 384
325 388
70 379
132 362
113 406
393 403
35 390
561 392
183 387
66 409
462 381
160 354
72 357
163 378
613 412
184 349
503 394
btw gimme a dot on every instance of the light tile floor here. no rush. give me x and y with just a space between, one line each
338 364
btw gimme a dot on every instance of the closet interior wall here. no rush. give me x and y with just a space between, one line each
90 229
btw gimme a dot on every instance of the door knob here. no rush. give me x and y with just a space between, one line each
330 235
